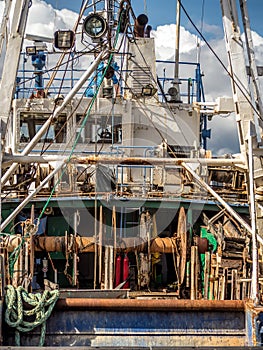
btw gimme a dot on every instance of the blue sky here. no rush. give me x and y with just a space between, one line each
163 12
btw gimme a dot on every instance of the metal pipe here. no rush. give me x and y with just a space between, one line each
86 245
139 25
254 284
9 159
57 111
155 161
177 41
29 197
118 160
150 304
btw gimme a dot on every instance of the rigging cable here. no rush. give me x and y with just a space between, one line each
82 125
75 108
71 51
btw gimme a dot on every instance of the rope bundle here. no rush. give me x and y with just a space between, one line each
39 309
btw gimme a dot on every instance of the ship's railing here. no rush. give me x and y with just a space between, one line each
140 175
27 82
189 84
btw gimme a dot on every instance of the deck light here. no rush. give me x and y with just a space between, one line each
31 50
148 90
64 39
94 26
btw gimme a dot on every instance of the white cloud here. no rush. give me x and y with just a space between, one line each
44 20
165 41
257 39
213 71
2 5
212 29
224 139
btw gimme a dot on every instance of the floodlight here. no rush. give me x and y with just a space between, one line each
95 25
64 39
148 90
31 50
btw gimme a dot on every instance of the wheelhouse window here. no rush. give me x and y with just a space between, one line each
100 129
31 124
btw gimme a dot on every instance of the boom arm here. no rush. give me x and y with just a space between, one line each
249 119
14 40
237 66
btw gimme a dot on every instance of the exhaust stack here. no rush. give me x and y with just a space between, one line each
139 26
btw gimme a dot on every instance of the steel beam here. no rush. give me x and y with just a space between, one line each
9 159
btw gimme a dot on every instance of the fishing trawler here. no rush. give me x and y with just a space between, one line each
118 227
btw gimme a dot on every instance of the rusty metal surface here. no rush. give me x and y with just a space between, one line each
86 244
141 328
94 293
150 161
144 324
147 304
254 324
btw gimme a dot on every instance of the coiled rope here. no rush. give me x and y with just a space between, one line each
39 308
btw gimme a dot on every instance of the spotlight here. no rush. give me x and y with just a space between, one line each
95 25
64 39
148 90
31 50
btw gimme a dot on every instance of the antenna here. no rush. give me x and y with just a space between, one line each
145 7
176 81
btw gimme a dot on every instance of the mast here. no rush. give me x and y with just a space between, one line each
14 40
176 81
110 15
251 57
177 41
248 120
